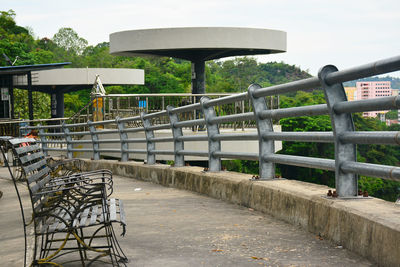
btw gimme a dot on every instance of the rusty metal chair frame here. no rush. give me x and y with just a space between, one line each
73 208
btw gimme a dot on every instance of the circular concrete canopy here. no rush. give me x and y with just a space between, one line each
197 43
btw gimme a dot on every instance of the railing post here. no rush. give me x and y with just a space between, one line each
68 140
194 128
118 102
242 112
151 158
95 140
43 139
179 160
123 137
214 163
265 147
346 183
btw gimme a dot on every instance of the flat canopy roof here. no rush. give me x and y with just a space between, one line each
23 69
197 43
73 79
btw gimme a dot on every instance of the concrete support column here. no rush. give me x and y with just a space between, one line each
57 105
198 83
60 104
198 77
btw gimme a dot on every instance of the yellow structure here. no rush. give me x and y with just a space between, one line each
351 93
98 110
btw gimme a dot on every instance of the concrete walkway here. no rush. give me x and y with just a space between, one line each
171 227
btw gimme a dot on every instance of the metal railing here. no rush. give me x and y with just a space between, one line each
130 105
343 136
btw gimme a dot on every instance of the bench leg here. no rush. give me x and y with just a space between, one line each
82 251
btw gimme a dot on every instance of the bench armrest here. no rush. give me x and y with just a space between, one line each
86 178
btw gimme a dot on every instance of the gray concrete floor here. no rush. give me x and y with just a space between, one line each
170 227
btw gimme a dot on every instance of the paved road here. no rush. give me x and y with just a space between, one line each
170 227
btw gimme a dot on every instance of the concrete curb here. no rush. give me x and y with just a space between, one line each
369 227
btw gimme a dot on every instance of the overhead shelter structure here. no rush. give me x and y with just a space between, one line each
7 75
197 44
57 82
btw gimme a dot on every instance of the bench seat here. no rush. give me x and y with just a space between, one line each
91 215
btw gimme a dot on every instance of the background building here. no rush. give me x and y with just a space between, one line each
367 90
351 93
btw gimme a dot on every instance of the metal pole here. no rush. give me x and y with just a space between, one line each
194 128
123 138
30 97
235 106
243 113
68 140
151 158
214 163
176 133
117 106
12 113
110 106
95 140
43 139
346 183
266 147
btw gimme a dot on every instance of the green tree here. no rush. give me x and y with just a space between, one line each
306 124
41 104
15 41
99 56
69 40
392 115
69 46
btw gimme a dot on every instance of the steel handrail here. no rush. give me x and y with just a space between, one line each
343 136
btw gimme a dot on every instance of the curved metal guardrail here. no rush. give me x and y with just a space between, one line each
343 136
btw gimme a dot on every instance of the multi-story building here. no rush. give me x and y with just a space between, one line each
367 90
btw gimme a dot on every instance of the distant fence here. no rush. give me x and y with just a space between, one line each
329 79
131 105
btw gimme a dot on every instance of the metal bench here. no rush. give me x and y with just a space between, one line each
59 166
69 214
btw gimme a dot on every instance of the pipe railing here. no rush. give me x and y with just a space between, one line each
343 136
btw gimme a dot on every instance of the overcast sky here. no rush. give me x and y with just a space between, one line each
319 32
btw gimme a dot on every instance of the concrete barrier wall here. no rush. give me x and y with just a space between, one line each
369 227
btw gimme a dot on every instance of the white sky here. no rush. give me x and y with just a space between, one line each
319 32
